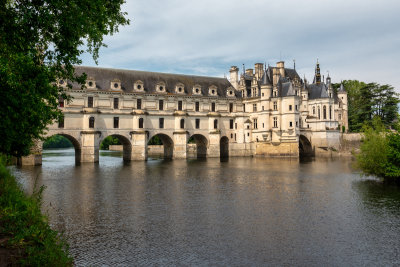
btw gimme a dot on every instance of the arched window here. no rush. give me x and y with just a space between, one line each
313 110
182 124
319 113
91 122
140 123
324 112
215 124
330 112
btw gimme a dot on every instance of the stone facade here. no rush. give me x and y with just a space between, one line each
267 112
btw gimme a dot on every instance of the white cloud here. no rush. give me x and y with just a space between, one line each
353 39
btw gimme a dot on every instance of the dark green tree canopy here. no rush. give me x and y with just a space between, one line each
369 100
40 42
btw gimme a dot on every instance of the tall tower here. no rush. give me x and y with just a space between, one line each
317 77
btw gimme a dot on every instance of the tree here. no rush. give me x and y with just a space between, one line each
365 101
380 152
40 42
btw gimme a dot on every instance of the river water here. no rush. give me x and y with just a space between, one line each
242 212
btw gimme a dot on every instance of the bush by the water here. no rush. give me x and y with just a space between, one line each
57 141
380 152
26 237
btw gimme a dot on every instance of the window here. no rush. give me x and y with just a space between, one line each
61 122
139 103
313 110
61 102
180 105
90 101
230 124
141 123
235 137
231 136
161 104
263 108
290 124
255 126
215 124
297 124
262 94
197 123
254 107
197 106
340 116
230 107
182 124
290 107
330 112
235 125
324 112
263 125
116 100
213 107
275 105
161 123
244 107
116 122
295 107
275 122
91 122
319 113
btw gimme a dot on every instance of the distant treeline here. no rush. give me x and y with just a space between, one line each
57 141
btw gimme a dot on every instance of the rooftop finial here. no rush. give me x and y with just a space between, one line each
294 63
243 69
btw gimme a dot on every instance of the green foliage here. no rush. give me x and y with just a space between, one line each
155 140
109 140
40 42
57 141
27 228
366 101
380 152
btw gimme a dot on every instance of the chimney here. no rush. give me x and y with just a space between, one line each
281 66
259 68
234 76
249 72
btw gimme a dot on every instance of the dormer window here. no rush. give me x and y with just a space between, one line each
115 85
138 86
62 83
230 92
197 89
160 87
90 83
179 88
212 91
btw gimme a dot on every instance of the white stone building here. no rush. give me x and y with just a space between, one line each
266 111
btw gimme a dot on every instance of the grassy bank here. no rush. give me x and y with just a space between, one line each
26 238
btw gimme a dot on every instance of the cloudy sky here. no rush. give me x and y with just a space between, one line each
353 39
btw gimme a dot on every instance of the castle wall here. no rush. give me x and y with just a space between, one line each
270 149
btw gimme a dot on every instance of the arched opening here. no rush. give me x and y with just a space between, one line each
61 144
305 147
197 146
224 147
116 142
160 145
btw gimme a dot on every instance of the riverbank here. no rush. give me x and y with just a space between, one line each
26 238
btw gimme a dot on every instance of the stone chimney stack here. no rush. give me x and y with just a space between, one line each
234 76
249 72
259 69
281 66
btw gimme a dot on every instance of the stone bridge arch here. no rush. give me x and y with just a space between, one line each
125 140
74 138
305 146
167 140
224 147
202 144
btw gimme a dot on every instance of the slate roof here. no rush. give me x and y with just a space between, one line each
104 76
